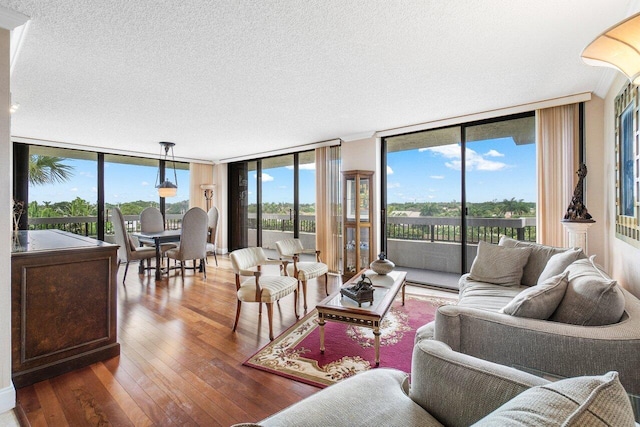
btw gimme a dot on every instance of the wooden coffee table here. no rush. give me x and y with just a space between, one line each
338 308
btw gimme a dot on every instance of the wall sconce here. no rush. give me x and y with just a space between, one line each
208 193
619 48
167 188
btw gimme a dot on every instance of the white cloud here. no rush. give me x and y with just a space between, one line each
393 185
493 153
474 160
94 190
266 177
389 170
144 183
437 177
74 189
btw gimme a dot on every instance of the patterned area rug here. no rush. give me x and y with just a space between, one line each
348 349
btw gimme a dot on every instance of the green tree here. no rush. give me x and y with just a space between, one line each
48 170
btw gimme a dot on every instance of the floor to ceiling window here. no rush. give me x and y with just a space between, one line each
448 188
272 199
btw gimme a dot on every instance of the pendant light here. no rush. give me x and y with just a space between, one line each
167 188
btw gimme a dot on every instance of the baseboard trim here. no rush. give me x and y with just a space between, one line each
7 398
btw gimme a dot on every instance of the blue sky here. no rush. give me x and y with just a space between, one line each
497 169
123 183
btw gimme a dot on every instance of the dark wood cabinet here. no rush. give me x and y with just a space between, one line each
63 302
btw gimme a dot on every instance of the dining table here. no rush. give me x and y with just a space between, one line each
157 238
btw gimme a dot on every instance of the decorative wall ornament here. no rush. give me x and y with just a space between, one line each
627 165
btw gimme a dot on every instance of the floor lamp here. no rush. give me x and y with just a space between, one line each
208 193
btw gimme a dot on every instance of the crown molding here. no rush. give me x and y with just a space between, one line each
10 19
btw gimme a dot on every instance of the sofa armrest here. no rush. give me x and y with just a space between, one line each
547 347
375 397
458 389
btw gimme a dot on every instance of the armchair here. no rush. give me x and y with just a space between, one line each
291 249
253 286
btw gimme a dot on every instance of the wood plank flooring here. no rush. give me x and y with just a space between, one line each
180 363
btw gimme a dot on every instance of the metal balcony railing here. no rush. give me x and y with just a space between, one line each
88 225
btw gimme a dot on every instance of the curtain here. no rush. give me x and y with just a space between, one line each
557 131
199 174
328 215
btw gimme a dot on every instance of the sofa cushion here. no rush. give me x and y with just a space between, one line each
580 401
540 255
540 301
559 262
498 264
592 297
486 296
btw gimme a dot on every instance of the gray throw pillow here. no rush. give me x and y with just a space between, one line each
580 401
499 265
540 301
592 298
559 262
540 255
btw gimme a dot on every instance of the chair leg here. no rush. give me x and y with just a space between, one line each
295 305
326 284
235 324
215 257
182 268
126 267
270 316
204 267
260 309
304 294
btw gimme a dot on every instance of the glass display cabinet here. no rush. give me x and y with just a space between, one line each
357 215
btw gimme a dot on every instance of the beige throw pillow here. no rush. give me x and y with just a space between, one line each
540 255
592 298
559 262
499 265
540 301
580 401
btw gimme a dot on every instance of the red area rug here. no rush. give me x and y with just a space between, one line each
348 349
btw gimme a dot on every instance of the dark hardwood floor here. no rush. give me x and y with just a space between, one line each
180 363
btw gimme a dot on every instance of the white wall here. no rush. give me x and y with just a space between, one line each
7 391
624 259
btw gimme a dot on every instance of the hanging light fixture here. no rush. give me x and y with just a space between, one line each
167 188
619 48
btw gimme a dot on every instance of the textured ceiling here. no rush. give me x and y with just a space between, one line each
231 78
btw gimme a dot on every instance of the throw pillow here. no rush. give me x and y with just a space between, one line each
592 298
540 255
499 265
580 401
540 301
559 262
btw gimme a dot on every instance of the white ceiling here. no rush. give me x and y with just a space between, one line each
231 78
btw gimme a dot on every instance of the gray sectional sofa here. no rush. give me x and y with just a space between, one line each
452 389
593 328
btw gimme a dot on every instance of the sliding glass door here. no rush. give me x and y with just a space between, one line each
449 188
272 199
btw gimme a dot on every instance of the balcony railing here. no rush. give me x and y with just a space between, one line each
88 225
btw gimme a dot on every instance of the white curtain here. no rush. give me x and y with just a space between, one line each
558 141
328 219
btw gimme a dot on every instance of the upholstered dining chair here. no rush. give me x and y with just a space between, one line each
212 224
151 221
254 286
291 249
127 250
193 240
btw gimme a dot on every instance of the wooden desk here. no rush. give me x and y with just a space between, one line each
156 239
63 304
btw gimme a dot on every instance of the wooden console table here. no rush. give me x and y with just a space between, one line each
63 304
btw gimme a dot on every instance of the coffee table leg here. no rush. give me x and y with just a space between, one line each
376 333
321 324
403 286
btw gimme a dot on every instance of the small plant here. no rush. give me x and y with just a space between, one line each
18 211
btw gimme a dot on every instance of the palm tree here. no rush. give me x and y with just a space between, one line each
48 170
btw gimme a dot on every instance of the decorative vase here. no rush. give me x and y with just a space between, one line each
382 265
